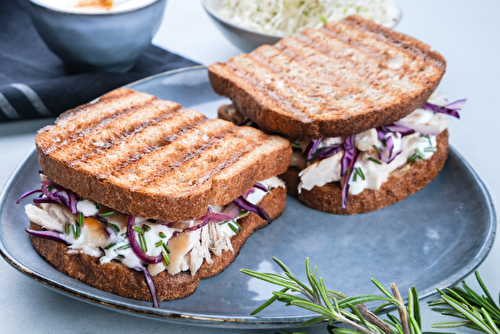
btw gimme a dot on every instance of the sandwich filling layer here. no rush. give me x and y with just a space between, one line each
102 232
378 152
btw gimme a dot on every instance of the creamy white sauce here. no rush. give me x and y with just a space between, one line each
93 6
328 170
188 249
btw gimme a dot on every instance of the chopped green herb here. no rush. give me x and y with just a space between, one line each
234 228
162 235
430 149
77 231
374 160
360 173
420 154
323 18
166 257
127 246
242 213
110 245
97 205
383 142
166 249
355 177
138 229
376 148
412 158
348 171
295 145
66 228
121 256
115 227
142 241
146 227
225 222
159 243
49 188
81 219
125 235
107 214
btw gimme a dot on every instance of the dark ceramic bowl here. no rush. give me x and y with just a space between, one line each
108 41
246 40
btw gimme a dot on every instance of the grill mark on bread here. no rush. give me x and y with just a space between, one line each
78 122
143 144
182 149
114 130
353 90
394 57
247 68
213 159
320 51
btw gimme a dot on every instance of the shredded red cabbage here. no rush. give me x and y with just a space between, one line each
205 219
345 186
260 186
326 152
394 127
349 151
136 247
51 235
387 153
450 109
150 283
26 194
247 206
312 147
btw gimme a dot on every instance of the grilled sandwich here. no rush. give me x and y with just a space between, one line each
358 103
133 185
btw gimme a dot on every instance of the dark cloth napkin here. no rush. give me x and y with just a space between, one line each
34 82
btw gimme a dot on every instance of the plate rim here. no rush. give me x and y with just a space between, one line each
254 322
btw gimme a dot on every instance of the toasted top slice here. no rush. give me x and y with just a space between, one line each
339 80
154 159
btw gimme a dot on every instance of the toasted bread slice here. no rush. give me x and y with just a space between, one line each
118 279
403 182
154 159
339 80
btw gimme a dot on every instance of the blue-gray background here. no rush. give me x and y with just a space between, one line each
466 33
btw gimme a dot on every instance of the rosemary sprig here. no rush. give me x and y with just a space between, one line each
333 306
474 311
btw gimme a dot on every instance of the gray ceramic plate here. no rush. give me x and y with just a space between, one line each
432 239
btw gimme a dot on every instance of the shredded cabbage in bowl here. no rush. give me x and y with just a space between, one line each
290 17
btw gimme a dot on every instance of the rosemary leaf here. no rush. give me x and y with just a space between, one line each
450 324
268 278
382 288
268 302
380 307
361 299
314 321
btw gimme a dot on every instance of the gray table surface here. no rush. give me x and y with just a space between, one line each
467 33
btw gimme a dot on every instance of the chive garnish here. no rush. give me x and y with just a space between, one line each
49 188
360 173
348 171
138 229
125 235
110 245
127 246
66 228
412 158
107 214
355 176
165 247
121 256
146 227
159 243
144 246
81 219
97 205
420 154
166 257
376 148
295 145
162 235
114 227
76 230
383 142
242 213
234 228
374 160
430 149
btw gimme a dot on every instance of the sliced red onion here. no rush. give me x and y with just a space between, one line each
109 231
150 283
261 187
345 186
450 109
51 235
205 219
312 147
349 150
421 128
326 152
26 194
61 195
136 247
247 206
41 200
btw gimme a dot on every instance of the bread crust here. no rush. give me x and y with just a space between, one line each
115 278
402 183
271 116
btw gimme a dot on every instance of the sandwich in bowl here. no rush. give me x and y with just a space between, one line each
143 198
357 102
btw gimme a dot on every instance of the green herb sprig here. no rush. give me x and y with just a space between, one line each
334 306
475 311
